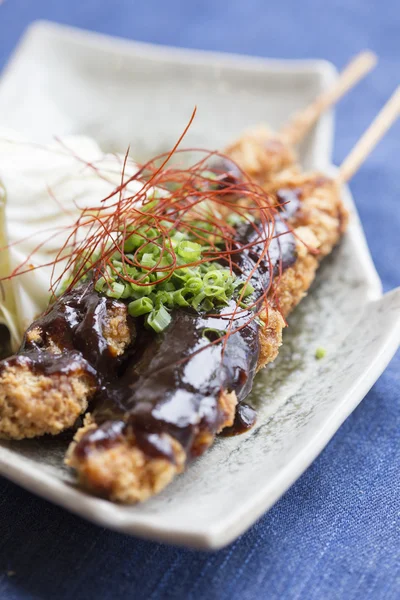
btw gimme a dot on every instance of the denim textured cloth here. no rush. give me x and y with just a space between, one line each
336 533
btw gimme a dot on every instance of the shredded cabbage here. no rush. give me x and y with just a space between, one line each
45 187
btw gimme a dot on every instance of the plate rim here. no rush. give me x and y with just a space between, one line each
328 73
165 52
96 510
218 535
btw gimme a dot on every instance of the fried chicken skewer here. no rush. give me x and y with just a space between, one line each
116 458
34 405
155 430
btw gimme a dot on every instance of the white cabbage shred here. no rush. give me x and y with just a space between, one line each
44 188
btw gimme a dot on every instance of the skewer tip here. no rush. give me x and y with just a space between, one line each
384 120
359 66
368 58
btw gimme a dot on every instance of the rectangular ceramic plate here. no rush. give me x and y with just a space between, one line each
63 81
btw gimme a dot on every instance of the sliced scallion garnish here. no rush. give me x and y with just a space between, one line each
158 319
147 276
140 307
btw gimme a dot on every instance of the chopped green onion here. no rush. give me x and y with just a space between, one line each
166 261
153 276
140 307
207 304
132 242
142 290
147 260
193 285
116 291
248 289
189 250
197 300
213 278
164 297
212 334
214 290
209 175
158 319
99 285
177 238
127 291
151 233
179 299
168 286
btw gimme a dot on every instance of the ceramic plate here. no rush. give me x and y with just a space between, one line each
66 81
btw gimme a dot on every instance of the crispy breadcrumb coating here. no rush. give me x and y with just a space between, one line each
122 472
262 155
34 403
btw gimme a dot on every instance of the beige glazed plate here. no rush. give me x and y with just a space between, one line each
124 93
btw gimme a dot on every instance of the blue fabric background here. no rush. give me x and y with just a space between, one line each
336 533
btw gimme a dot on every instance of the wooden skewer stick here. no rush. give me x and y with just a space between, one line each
301 122
380 125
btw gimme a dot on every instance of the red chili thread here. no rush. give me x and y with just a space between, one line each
194 206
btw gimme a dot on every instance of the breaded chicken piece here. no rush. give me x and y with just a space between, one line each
318 224
122 472
49 382
32 404
263 156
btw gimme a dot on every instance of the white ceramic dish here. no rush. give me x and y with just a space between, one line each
66 81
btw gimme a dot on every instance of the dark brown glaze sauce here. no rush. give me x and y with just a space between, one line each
166 383
70 338
227 173
245 418
289 201
171 382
